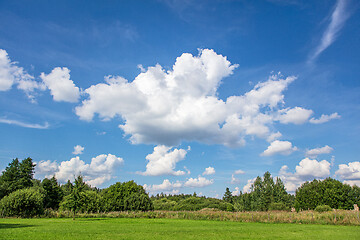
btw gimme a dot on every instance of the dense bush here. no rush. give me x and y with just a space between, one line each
164 204
126 196
87 201
188 202
323 208
22 203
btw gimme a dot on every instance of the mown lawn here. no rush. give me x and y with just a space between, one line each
125 228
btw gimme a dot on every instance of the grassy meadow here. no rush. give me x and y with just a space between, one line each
129 228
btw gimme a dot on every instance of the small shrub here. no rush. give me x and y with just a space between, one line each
22 203
230 207
323 208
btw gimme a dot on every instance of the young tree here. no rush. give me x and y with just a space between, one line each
228 196
52 193
67 188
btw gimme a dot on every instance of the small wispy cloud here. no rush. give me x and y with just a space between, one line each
338 19
24 124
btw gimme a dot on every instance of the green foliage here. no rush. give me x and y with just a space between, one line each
230 207
82 198
16 176
265 195
323 208
329 192
187 202
67 188
164 204
126 196
22 203
53 193
84 201
138 201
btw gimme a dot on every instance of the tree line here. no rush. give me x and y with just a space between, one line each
266 194
22 195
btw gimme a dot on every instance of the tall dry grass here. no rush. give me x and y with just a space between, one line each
336 217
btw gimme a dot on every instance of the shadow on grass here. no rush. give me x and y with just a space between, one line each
13 225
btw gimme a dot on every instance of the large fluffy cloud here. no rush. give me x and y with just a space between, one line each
62 88
307 170
279 147
167 106
163 161
99 170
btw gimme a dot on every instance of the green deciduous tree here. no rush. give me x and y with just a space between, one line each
329 192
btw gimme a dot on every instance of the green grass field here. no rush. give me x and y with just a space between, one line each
122 228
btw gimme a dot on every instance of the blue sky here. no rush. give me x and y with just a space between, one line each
182 96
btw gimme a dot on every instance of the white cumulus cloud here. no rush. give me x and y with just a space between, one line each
209 171
236 192
279 147
247 187
62 88
307 170
349 172
313 153
166 186
46 168
295 115
100 169
163 161
78 150
198 182
11 74
166 107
